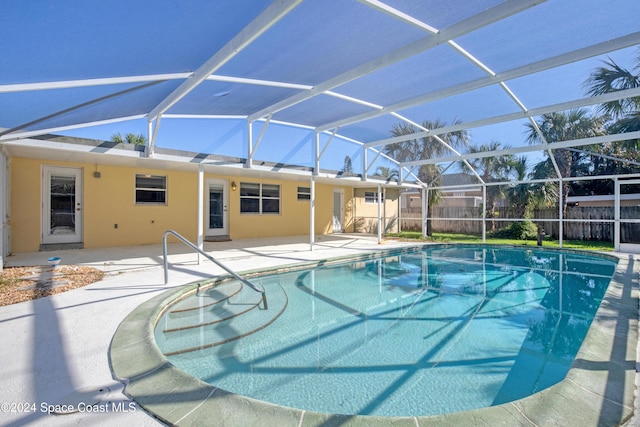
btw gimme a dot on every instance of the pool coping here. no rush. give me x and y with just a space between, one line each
598 389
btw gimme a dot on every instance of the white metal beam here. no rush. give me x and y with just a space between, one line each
385 8
153 136
468 25
68 84
546 64
257 82
604 156
563 106
30 134
441 141
372 162
530 148
267 18
77 107
324 149
260 137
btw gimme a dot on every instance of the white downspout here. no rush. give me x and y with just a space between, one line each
379 214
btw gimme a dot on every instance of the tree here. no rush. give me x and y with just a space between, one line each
519 195
387 173
130 138
613 78
425 148
492 169
348 166
624 113
564 126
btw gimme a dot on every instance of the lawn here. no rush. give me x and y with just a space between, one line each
469 238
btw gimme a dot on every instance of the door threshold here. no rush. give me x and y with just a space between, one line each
225 238
60 246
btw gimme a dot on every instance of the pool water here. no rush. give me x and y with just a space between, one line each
424 332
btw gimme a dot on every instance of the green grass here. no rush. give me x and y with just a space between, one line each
469 238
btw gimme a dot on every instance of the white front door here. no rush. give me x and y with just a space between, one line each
62 205
338 211
217 215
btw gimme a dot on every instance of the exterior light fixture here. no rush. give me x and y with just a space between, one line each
233 185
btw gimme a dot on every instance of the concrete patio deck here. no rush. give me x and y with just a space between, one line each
55 349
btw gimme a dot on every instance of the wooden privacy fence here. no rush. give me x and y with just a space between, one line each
582 222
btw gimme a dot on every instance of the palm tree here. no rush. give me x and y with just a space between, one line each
130 138
519 195
564 126
625 113
425 148
387 173
613 78
491 169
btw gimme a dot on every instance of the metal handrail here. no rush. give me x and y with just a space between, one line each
210 258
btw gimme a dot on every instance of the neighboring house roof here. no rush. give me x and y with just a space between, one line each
458 179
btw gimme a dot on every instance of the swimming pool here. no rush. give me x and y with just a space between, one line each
412 333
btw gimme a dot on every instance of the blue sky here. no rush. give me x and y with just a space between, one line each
66 41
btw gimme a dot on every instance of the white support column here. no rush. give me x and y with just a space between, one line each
4 208
254 146
200 209
400 210
616 215
379 214
484 213
364 163
152 136
312 202
425 210
249 163
560 212
148 148
316 151
312 214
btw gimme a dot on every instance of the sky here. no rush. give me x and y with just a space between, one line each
230 136
72 40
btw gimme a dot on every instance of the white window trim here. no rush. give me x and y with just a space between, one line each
164 190
260 198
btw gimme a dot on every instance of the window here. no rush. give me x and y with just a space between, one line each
371 197
304 193
151 190
259 198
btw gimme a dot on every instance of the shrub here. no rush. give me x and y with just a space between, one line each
522 230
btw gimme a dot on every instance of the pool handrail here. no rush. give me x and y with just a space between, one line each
210 258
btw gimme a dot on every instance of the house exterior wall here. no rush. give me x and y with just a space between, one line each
366 214
110 199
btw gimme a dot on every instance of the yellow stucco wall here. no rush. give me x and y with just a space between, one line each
294 217
366 214
110 200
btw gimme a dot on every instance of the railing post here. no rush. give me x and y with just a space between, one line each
210 258
164 257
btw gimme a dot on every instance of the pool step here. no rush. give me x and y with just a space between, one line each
212 307
230 319
207 298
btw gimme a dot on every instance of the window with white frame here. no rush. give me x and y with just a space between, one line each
372 197
151 189
304 193
258 198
